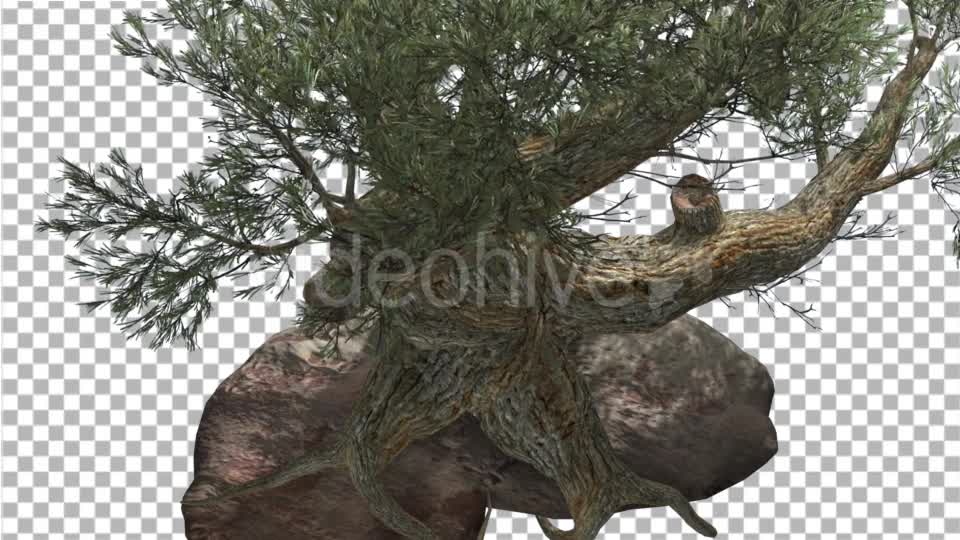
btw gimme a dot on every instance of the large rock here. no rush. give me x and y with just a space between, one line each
682 405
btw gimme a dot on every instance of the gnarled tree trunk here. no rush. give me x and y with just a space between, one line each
509 364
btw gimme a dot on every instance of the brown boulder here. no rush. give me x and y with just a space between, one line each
682 405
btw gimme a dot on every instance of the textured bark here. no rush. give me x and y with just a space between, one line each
683 406
537 407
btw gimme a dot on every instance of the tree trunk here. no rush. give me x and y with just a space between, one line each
507 363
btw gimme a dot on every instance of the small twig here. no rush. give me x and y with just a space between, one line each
609 212
761 294
710 161
873 231
650 178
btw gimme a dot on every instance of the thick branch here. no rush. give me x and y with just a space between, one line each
641 282
638 283
349 194
890 180
637 142
839 184
579 154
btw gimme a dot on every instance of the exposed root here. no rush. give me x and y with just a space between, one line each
629 490
586 525
633 490
408 395
313 461
364 467
552 532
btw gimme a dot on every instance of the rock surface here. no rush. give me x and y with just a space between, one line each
682 405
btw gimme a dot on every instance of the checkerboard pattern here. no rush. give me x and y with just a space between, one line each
97 431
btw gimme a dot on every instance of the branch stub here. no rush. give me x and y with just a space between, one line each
696 206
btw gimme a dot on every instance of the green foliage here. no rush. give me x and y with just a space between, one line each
198 234
935 126
826 52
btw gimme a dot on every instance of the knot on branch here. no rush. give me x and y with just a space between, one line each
696 206
327 293
335 291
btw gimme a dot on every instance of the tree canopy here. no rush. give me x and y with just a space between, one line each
489 115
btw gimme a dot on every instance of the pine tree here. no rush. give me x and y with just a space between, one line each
479 124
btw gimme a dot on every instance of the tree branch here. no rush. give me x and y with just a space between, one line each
839 184
914 171
645 281
638 283
294 154
718 161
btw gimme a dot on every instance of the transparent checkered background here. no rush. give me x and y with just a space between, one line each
97 431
